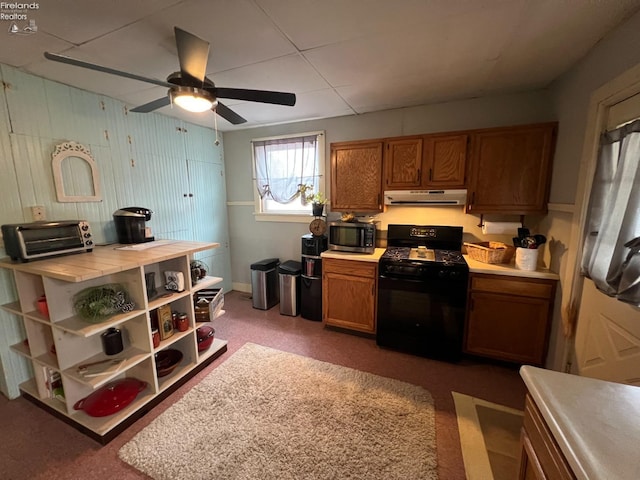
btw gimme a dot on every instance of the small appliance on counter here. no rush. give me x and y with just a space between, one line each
131 225
38 240
352 236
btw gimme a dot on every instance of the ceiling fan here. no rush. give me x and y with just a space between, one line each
189 87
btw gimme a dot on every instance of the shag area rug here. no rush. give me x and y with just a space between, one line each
489 438
266 414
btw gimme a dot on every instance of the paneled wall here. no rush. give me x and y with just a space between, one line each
145 160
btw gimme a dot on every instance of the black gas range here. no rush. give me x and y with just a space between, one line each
422 291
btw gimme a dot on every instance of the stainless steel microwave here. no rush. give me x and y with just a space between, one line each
37 240
354 237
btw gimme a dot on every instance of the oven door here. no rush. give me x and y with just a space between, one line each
422 316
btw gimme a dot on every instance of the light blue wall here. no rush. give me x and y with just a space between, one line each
145 160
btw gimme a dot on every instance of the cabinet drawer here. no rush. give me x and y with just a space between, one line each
547 451
513 286
350 267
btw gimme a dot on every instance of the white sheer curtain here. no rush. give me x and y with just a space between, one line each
282 165
611 256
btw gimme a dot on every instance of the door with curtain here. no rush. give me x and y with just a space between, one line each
607 342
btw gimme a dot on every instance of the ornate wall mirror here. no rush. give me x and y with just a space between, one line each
75 174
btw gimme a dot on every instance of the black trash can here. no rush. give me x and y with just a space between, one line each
264 283
289 274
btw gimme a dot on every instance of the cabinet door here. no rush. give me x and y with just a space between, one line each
356 176
349 294
507 327
403 163
511 169
445 160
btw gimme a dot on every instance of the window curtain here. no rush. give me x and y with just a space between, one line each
611 256
283 165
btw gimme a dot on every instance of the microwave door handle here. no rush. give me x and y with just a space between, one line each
362 230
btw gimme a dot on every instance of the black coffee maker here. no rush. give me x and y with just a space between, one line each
131 224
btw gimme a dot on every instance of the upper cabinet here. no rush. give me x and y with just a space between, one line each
425 162
403 163
510 169
356 176
445 161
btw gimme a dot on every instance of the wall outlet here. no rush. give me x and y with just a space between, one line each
37 213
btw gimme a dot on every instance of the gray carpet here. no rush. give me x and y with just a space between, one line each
266 414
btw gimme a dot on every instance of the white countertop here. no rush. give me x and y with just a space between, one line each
596 423
474 265
363 257
507 269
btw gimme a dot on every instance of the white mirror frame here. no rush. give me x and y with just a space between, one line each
73 149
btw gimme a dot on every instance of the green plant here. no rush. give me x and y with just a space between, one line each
96 304
318 198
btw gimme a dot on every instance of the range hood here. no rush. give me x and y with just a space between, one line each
425 197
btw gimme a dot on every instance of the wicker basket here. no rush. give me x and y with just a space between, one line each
490 252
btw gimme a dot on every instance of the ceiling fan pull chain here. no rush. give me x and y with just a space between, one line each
215 127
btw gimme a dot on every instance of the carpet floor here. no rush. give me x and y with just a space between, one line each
269 414
489 438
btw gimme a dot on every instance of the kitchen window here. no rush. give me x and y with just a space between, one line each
286 169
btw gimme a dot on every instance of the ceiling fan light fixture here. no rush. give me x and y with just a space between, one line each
192 99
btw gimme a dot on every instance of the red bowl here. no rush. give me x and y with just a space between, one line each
205 337
167 360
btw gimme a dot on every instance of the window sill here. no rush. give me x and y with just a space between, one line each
278 217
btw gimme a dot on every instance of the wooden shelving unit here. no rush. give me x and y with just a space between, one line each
58 343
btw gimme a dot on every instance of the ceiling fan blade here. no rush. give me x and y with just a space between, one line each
193 53
263 96
92 66
228 114
151 106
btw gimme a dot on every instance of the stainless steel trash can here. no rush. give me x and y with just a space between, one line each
289 274
264 283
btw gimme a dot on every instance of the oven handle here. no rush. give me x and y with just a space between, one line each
401 279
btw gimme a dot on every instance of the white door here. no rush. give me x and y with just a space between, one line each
608 331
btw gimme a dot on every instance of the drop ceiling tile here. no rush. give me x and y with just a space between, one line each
291 73
80 21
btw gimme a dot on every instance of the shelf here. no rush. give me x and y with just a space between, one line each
13 307
82 328
79 342
38 317
21 349
31 388
206 282
160 299
131 356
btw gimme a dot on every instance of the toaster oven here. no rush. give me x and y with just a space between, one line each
37 240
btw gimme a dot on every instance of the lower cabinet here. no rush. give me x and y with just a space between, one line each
540 456
509 318
349 294
78 360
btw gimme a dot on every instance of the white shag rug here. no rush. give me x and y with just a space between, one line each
266 414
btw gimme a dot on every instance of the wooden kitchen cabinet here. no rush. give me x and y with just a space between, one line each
356 176
426 162
510 169
403 163
509 318
540 456
349 294
57 343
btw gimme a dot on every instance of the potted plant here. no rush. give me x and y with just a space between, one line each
318 201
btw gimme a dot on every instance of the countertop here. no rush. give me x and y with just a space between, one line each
474 265
596 423
104 260
507 269
363 257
